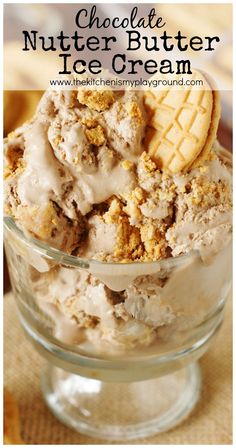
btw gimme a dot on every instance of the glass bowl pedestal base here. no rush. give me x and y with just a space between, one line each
121 411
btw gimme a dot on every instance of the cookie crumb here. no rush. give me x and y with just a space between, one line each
98 100
96 136
127 165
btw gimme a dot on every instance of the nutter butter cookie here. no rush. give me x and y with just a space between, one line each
182 124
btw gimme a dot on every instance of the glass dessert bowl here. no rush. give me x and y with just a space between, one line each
122 340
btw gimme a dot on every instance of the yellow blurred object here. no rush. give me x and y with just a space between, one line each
19 106
28 70
11 420
26 76
194 19
198 19
204 20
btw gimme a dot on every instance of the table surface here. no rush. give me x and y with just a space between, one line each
209 423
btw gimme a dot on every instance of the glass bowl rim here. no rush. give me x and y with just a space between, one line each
72 260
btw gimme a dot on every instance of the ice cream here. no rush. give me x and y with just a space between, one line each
79 178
